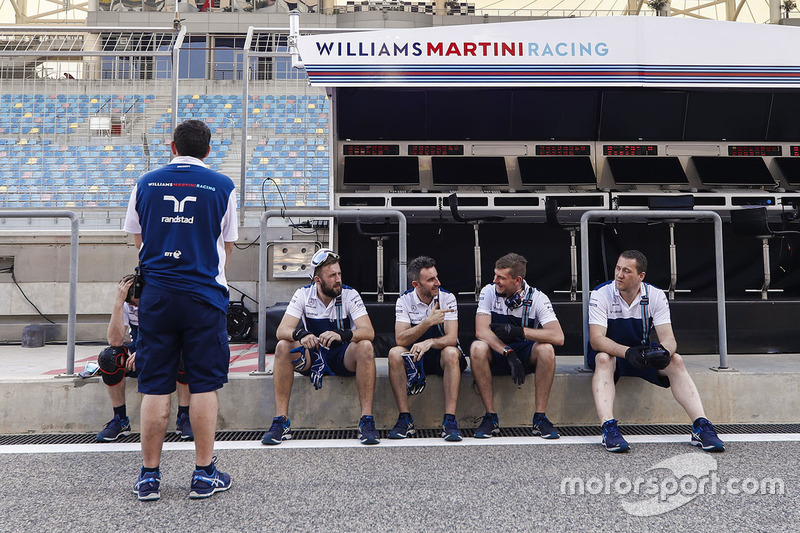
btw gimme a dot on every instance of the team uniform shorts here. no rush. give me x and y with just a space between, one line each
180 377
334 358
624 368
431 361
171 325
500 366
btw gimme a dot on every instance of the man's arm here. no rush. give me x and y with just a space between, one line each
667 338
137 240
484 332
601 343
117 330
405 334
228 252
286 328
550 333
363 329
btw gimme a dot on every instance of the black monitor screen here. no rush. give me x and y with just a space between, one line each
647 171
469 171
561 115
642 115
735 171
557 170
368 114
731 116
381 170
468 114
784 120
790 168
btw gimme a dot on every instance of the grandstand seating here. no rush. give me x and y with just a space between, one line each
46 160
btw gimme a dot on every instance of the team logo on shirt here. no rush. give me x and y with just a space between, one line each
178 207
175 255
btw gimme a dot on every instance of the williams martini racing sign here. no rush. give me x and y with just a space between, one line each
599 51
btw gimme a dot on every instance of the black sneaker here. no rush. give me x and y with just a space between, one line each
612 438
117 427
278 432
367 433
705 436
183 427
403 428
542 427
450 431
147 487
205 486
489 426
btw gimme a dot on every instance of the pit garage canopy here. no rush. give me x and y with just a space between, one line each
578 52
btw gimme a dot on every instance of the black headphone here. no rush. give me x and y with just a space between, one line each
516 300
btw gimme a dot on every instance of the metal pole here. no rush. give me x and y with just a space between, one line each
176 52
657 214
321 213
245 113
73 275
673 262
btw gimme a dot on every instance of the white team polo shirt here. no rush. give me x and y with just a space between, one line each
541 312
411 310
317 317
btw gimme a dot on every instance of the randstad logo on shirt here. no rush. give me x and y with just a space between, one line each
178 220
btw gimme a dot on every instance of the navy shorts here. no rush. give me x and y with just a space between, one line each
334 357
500 366
624 368
171 325
180 377
431 362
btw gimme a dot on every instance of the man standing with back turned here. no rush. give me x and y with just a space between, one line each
183 219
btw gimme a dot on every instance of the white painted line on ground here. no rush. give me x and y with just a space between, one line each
386 443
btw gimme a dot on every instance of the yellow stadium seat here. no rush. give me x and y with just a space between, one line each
28 115
109 148
93 101
74 125
298 120
3 188
32 160
34 130
264 161
320 130
196 97
169 110
17 105
228 106
130 167
321 148
277 181
312 106
23 141
94 188
256 111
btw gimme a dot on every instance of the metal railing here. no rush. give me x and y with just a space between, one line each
649 215
320 213
73 274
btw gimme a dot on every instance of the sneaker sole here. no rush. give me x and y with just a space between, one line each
402 435
149 497
712 449
453 438
550 436
370 441
618 449
273 442
200 495
120 434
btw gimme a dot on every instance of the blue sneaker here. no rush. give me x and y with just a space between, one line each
183 427
542 427
205 486
117 427
367 433
705 436
278 432
612 438
403 428
147 486
450 431
489 427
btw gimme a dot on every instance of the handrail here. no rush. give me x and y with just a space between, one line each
658 214
321 213
73 274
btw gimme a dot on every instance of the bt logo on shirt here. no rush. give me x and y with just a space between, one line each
175 255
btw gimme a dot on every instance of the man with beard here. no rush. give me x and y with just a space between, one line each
335 337
426 331
515 329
